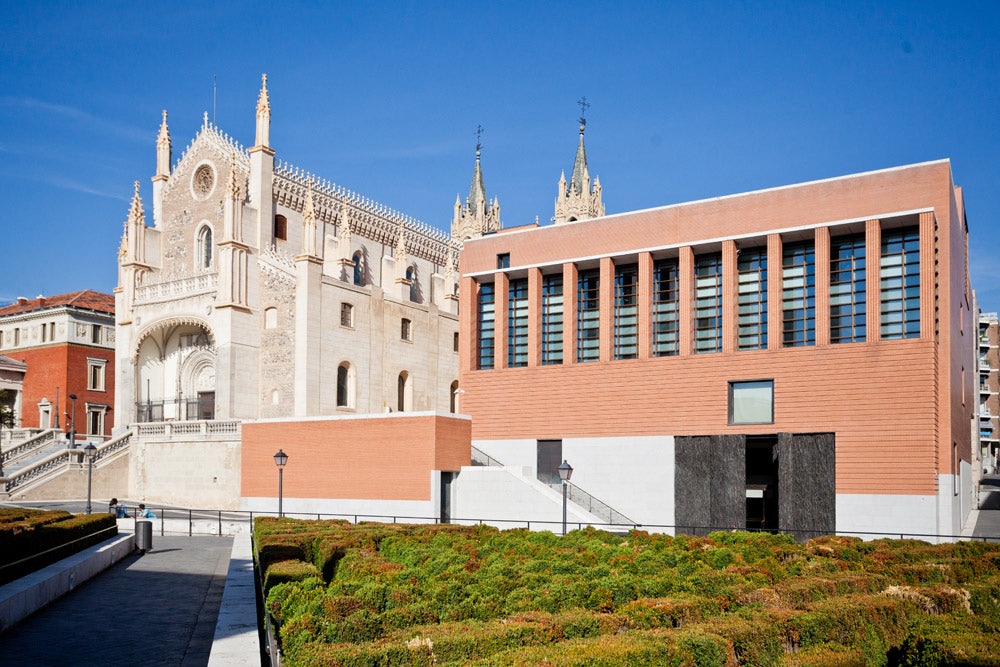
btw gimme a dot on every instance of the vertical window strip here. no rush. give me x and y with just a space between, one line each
752 299
552 319
899 278
588 316
626 312
666 306
708 303
848 302
798 294
486 323
517 323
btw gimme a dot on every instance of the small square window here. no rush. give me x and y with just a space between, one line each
751 402
503 260
406 330
346 315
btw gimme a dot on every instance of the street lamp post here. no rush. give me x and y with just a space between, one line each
72 421
565 472
280 459
91 453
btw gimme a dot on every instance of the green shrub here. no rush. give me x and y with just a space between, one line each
288 570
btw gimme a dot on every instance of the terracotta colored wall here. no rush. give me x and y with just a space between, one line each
377 457
896 406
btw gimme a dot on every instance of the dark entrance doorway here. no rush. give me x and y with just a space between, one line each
762 483
206 405
549 458
446 479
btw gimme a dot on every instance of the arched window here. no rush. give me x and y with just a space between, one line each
411 276
205 247
345 385
270 318
454 396
359 270
404 392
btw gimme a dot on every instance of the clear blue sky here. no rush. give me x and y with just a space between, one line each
689 100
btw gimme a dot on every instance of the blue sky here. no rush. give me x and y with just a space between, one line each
688 100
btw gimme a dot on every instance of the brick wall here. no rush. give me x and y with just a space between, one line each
380 457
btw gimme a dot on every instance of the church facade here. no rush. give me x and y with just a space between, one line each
261 291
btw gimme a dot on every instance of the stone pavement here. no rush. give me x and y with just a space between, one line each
157 608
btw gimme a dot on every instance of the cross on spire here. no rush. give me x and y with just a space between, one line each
584 105
479 134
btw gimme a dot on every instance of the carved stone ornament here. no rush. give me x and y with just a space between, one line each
203 181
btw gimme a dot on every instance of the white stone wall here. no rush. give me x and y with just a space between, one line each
197 474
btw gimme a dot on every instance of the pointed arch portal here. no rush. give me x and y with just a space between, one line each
175 363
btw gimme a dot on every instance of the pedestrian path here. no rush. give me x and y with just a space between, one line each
157 608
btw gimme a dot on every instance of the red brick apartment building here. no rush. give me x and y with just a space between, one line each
802 357
68 344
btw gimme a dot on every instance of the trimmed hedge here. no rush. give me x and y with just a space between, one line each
45 537
381 594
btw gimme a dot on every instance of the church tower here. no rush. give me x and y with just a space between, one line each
478 216
577 200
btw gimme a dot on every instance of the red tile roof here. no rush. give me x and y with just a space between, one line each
84 299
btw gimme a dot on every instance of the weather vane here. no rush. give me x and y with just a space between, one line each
584 105
479 134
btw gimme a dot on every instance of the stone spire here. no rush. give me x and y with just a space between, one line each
576 199
479 215
263 135
400 255
163 148
132 248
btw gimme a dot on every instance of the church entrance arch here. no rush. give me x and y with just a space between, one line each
175 367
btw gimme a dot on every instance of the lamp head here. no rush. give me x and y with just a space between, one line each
565 471
280 459
90 451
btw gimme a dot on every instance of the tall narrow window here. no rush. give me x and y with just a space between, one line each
708 303
899 275
485 324
453 397
205 247
847 289
95 374
666 306
346 314
552 319
588 316
359 269
626 312
404 392
345 385
798 294
517 323
95 333
752 299
406 329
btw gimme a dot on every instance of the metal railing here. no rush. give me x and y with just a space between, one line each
192 522
481 458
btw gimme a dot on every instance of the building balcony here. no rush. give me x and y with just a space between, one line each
204 283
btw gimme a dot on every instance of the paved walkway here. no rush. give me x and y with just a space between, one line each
158 608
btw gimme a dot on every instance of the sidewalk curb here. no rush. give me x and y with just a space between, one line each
23 597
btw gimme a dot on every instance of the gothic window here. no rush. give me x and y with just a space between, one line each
205 247
358 269
411 276
453 394
270 318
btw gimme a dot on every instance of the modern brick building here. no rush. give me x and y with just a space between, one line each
67 342
989 386
801 357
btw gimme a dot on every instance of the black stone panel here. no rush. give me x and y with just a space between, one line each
729 488
709 483
692 488
807 477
